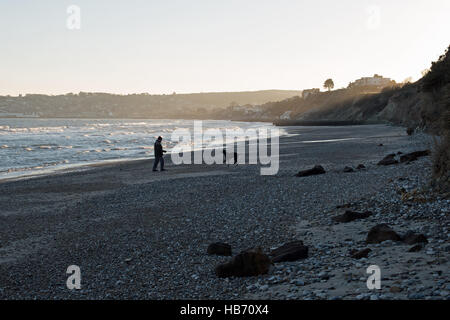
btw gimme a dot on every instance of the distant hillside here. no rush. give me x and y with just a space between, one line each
104 105
330 105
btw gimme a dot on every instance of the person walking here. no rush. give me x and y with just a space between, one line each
159 151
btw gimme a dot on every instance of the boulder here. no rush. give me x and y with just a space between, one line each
291 251
360 166
318 169
360 254
345 205
348 169
413 238
219 248
250 262
380 233
413 156
395 289
416 248
349 216
388 160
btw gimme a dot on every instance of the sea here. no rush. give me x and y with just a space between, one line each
30 146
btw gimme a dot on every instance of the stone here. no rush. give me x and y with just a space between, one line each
299 282
250 262
219 248
291 251
380 233
349 216
413 156
345 205
416 248
348 169
359 254
410 131
360 166
416 296
318 169
395 289
388 160
413 238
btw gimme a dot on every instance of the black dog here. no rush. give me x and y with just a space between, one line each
225 157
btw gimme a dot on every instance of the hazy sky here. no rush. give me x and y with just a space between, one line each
163 46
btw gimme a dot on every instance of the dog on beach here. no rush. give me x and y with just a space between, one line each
225 157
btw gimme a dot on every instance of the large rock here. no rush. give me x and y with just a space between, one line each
291 251
380 233
360 254
348 169
219 248
251 262
349 216
388 160
416 248
413 238
318 169
413 156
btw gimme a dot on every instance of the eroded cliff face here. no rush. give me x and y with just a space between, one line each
408 106
411 109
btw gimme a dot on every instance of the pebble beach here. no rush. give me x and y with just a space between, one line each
138 234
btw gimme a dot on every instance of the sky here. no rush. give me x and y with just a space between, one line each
165 46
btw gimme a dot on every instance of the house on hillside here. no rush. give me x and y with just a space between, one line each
308 92
246 109
375 81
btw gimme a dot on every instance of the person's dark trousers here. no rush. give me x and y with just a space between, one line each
158 160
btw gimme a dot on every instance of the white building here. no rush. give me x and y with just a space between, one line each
375 81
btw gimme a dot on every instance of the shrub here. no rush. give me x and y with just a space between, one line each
439 74
441 159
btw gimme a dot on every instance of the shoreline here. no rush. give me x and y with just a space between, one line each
30 173
24 173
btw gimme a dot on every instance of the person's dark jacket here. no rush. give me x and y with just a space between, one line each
158 149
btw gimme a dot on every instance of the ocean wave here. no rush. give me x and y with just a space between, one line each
48 140
33 130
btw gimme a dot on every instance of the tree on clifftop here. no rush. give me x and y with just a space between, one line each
329 84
